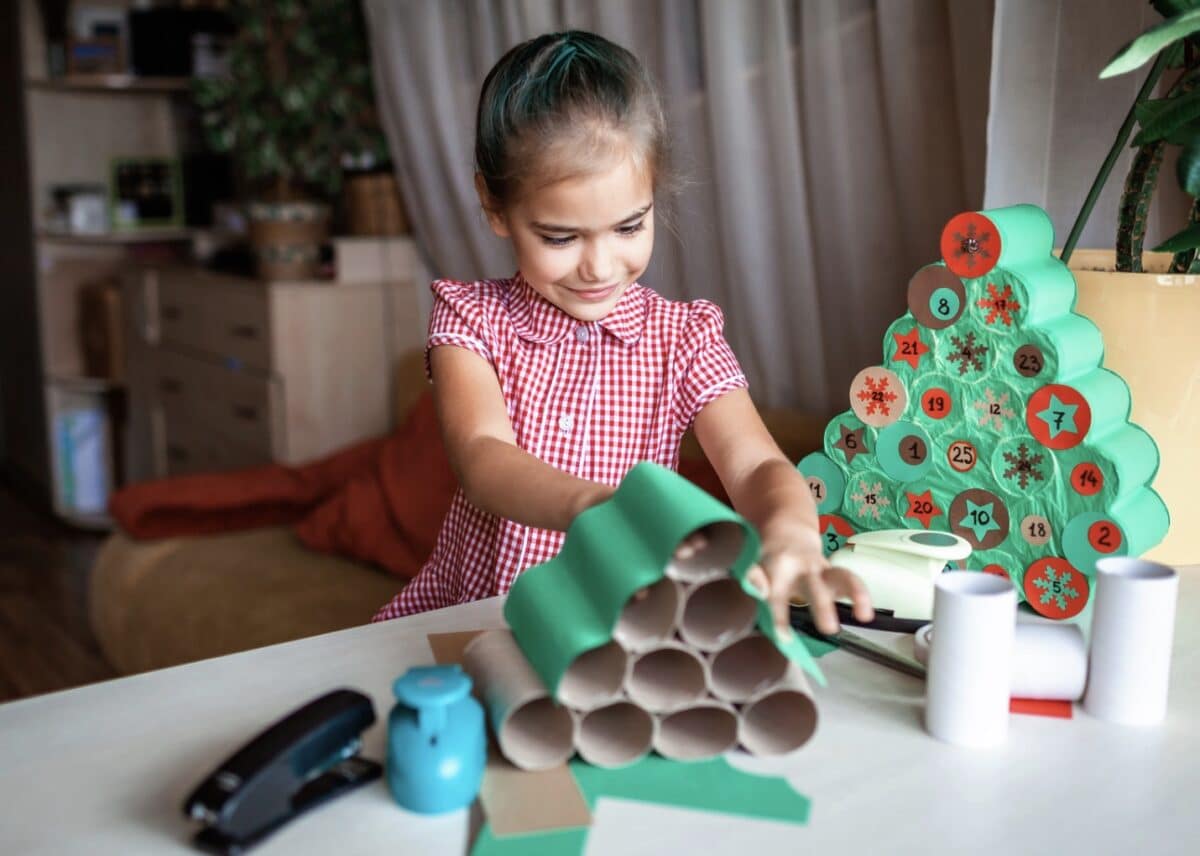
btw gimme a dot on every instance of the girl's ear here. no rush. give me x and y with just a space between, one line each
491 208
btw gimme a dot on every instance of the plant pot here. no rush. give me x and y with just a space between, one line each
373 205
287 238
1149 322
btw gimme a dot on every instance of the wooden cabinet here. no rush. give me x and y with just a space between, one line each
226 372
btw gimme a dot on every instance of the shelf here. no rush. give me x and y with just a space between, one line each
139 236
85 384
118 83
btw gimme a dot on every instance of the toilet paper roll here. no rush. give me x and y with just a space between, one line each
780 718
1112 466
594 677
966 352
878 396
905 451
1061 416
702 730
970 675
667 678
938 402
615 735
723 543
907 348
649 617
849 441
1133 626
715 613
974 242
745 668
532 731
868 503
1060 349
826 482
1012 299
1049 660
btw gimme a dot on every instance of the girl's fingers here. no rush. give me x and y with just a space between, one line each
820 605
846 584
759 579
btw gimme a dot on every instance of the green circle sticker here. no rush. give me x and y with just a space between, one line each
903 451
825 481
944 303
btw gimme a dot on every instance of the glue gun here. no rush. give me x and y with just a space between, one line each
899 568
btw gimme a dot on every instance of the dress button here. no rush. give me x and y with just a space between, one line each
566 423
581 333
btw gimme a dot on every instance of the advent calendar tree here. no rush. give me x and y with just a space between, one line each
992 417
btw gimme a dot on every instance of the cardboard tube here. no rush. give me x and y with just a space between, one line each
970 660
649 617
703 730
715 613
1133 625
533 732
667 678
781 718
594 677
745 668
615 735
723 543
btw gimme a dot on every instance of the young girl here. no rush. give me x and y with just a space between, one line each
551 385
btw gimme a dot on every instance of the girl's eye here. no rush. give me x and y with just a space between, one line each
557 241
632 229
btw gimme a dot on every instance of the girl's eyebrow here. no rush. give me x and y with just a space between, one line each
552 227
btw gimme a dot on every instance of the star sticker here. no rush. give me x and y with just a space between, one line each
909 347
1059 417
922 507
980 519
852 442
834 540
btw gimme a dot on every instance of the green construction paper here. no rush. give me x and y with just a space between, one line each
570 605
1024 335
712 785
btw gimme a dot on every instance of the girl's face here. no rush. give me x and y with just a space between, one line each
581 241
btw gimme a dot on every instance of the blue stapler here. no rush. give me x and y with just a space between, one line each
305 759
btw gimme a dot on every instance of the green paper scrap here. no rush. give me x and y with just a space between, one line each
569 605
714 785
1044 477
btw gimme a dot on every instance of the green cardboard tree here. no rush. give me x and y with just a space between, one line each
991 416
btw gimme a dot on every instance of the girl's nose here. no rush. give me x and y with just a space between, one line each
596 264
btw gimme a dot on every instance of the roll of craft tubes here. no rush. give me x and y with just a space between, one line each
1133 626
970 676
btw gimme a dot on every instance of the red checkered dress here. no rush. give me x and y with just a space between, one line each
591 398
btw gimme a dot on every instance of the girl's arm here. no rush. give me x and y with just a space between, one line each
772 494
496 475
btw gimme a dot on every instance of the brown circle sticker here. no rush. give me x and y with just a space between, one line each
981 517
913 449
877 396
1035 529
1029 360
936 297
962 456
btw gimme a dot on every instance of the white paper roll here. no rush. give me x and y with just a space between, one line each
1049 660
615 735
1133 626
594 678
702 730
715 613
533 732
745 668
781 718
970 662
650 616
668 678
723 542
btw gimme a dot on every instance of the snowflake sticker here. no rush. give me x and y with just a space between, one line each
1055 588
993 409
1024 466
870 501
967 353
999 304
877 396
970 244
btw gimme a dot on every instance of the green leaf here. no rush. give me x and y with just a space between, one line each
1188 239
1187 168
1137 52
1162 118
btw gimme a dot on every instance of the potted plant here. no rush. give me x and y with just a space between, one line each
297 104
1147 305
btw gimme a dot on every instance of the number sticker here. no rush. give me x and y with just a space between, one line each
1087 479
1029 361
1104 536
816 486
936 403
1035 529
961 456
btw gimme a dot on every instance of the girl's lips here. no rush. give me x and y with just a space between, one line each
595 294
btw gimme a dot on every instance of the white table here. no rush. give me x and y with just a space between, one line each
105 768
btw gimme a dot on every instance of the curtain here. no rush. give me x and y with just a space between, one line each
1053 120
825 143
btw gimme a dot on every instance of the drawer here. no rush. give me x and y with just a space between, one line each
240 409
237 326
224 317
188 447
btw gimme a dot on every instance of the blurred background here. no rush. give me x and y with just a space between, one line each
220 219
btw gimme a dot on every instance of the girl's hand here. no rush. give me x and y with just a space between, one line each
797 569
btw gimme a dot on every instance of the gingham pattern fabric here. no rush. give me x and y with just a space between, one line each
591 398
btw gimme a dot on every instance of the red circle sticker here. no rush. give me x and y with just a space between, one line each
1087 479
936 402
997 570
1054 588
970 244
1058 416
962 456
834 532
1104 536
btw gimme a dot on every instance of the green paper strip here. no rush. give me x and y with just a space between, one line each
1041 291
1026 234
1144 519
1069 345
569 605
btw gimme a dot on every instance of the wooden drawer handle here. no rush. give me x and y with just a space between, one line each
171 313
246 412
170 385
244 331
